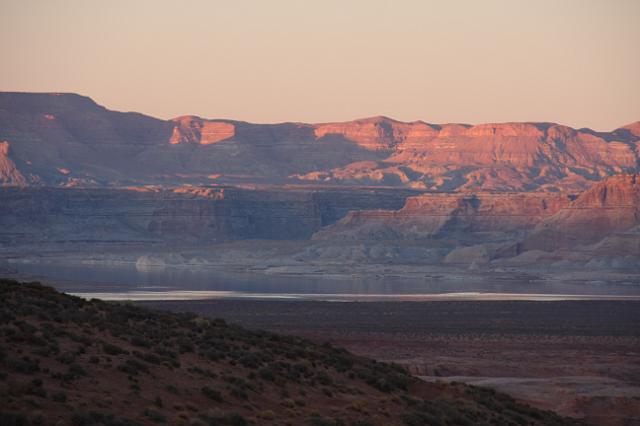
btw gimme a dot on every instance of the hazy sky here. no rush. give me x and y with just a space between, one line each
575 62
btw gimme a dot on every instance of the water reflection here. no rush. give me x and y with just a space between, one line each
154 283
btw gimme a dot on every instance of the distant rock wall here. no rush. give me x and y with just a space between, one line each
609 207
463 218
202 215
69 140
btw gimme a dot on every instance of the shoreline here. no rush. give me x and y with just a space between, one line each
139 296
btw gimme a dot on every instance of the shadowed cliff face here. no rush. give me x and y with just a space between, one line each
187 214
69 140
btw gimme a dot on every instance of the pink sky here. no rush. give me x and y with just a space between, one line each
575 62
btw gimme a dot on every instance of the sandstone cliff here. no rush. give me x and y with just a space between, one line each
461 217
192 215
609 207
599 227
69 140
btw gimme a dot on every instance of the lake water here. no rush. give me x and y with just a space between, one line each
129 283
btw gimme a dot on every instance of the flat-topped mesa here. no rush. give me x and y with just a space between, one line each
531 130
378 133
386 133
52 132
192 129
46 103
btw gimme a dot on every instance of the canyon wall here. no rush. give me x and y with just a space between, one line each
190 214
69 140
599 226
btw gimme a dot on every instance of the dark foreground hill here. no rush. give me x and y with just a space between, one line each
68 361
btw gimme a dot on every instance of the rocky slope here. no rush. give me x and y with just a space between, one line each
462 217
66 139
598 227
608 208
64 360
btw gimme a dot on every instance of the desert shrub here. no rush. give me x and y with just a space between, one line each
133 367
416 418
212 394
150 358
66 358
154 416
113 349
77 370
202 372
288 403
59 397
363 423
323 378
23 365
80 339
158 402
231 419
213 354
162 351
91 418
36 391
185 345
140 341
236 419
266 415
238 391
11 418
250 360
267 374
317 420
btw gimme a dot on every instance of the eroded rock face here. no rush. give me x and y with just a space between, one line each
191 129
598 227
465 218
609 207
505 157
50 132
9 173
189 214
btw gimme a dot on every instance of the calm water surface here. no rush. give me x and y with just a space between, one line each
127 282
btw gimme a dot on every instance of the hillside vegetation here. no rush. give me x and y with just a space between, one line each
69 361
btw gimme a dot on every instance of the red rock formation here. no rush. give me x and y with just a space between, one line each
9 173
191 129
49 132
508 156
377 133
480 217
610 206
632 128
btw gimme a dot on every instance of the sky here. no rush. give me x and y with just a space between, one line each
575 62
